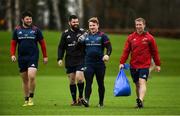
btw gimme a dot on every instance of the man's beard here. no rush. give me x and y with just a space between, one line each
28 25
75 28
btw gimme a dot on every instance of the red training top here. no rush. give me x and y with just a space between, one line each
142 48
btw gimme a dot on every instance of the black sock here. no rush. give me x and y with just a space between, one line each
31 95
80 88
26 98
73 92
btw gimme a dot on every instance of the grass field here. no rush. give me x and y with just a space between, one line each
52 91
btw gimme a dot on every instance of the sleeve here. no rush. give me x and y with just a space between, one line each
126 51
43 48
42 42
39 35
61 47
13 44
107 44
154 52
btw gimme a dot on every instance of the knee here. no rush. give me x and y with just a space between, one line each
31 77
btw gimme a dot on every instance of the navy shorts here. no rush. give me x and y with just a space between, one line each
73 69
139 73
25 64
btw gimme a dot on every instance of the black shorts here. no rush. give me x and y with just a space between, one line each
73 69
25 64
139 73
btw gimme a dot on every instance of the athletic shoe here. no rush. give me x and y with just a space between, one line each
100 105
139 103
84 102
74 103
25 103
30 102
79 101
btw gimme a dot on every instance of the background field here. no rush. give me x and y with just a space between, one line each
52 92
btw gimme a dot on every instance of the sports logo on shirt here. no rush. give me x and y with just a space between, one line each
68 37
98 38
20 32
32 31
134 39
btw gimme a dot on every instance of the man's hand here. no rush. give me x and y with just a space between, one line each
158 69
105 58
60 62
121 66
13 58
45 60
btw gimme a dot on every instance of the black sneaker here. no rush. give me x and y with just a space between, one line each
84 102
139 103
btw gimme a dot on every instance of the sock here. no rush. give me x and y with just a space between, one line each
73 92
31 95
80 88
26 98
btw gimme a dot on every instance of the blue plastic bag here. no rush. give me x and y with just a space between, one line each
122 86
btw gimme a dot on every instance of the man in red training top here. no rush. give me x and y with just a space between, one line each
27 37
142 47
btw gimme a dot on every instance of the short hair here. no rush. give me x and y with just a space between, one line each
140 19
72 17
94 20
26 13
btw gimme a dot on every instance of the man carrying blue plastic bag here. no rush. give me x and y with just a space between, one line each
142 47
122 86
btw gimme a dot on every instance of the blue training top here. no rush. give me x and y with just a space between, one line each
27 39
94 47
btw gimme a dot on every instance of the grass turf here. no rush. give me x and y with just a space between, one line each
52 92
53 97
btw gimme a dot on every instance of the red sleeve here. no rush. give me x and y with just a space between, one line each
43 47
13 47
126 52
154 52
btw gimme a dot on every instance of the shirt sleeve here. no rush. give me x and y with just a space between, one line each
61 47
154 51
39 35
126 51
107 44
13 43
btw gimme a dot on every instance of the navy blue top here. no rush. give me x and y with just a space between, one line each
27 39
94 47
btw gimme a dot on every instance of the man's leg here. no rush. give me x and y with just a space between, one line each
25 86
100 73
89 74
32 83
137 89
143 76
80 83
73 89
142 88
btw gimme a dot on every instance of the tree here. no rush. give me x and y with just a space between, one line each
56 13
9 15
17 12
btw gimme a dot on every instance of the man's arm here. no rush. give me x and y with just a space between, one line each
44 51
125 54
107 45
61 49
13 46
